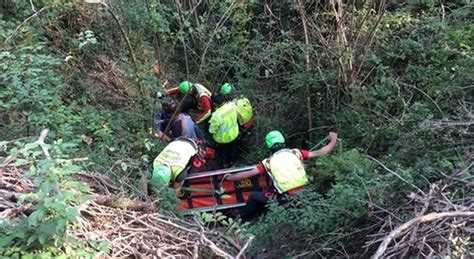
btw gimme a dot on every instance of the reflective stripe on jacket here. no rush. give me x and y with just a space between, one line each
201 91
176 155
286 170
223 124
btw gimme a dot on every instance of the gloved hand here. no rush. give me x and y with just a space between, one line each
159 95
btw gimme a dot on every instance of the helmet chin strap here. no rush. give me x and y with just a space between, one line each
277 147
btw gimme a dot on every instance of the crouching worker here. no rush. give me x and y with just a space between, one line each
173 164
285 168
198 97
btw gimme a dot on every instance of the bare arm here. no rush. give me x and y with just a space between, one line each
326 149
172 91
241 176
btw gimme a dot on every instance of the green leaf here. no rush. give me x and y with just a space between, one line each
20 162
71 214
31 239
61 224
59 207
42 239
35 217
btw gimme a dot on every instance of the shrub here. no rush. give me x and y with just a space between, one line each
49 208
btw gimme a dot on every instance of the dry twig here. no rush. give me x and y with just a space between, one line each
132 233
400 230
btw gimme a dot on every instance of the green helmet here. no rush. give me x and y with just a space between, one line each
226 88
161 175
184 87
274 137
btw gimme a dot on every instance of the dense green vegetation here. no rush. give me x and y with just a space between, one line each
395 81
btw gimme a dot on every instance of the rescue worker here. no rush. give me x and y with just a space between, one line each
244 112
199 96
227 90
224 128
285 168
244 108
174 163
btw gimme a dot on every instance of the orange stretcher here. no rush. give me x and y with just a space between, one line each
205 191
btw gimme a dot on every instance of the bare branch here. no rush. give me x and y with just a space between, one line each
35 14
41 143
400 230
397 175
32 6
245 247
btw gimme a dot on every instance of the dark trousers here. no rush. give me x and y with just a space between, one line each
256 203
245 140
228 152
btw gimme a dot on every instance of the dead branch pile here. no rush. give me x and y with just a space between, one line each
12 186
139 234
108 81
443 222
130 227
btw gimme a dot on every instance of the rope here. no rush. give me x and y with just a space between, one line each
320 143
178 109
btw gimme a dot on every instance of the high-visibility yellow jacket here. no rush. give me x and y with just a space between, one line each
244 110
176 155
286 169
223 125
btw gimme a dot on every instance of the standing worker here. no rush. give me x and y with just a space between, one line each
199 96
285 168
224 128
244 108
244 112
227 90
